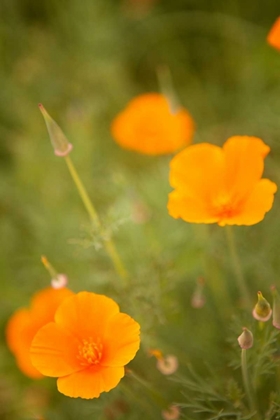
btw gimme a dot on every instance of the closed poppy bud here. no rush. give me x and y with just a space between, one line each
61 145
262 310
246 339
276 308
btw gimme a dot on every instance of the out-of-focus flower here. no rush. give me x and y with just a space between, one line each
137 8
165 364
221 184
24 324
275 308
171 413
273 37
61 145
198 298
87 345
262 310
246 339
140 213
149 125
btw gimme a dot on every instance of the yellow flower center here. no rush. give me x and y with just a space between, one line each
223 206
90 352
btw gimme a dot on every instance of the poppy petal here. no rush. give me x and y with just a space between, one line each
197 171
273 37
19 334
255 206
148 125
120 349
86 312
89 383
244 165
45 303
189 208
54 352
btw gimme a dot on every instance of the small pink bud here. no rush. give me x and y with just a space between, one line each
168 364
59 281
246 339
262 310
171 413
61 145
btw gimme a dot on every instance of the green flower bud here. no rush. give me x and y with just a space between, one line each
61 145
262 310
246 339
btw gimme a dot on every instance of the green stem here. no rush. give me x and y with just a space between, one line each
250 398
53 273
240 280
157 397
109 245
82 191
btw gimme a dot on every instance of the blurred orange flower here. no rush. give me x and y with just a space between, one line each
149 125
24 324
87 345
221 184
273 37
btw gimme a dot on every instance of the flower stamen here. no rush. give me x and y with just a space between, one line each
90 352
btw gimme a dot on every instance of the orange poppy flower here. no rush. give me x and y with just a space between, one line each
87 345
221 184
24 324
273 37
149 125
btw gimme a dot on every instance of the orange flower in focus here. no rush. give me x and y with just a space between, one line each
273 37
149 125
87 345
221 184
24 324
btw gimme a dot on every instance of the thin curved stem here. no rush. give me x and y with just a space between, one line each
251 401
109 245
240 279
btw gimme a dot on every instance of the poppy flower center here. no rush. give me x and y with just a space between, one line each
90 352
223 206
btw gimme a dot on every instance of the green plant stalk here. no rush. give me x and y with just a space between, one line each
109 245
156 396
247 388
53 273
240 280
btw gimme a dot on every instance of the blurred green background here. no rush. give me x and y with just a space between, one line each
84 60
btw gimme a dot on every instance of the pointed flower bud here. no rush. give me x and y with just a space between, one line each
246 339
262 310
275 308
61 145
